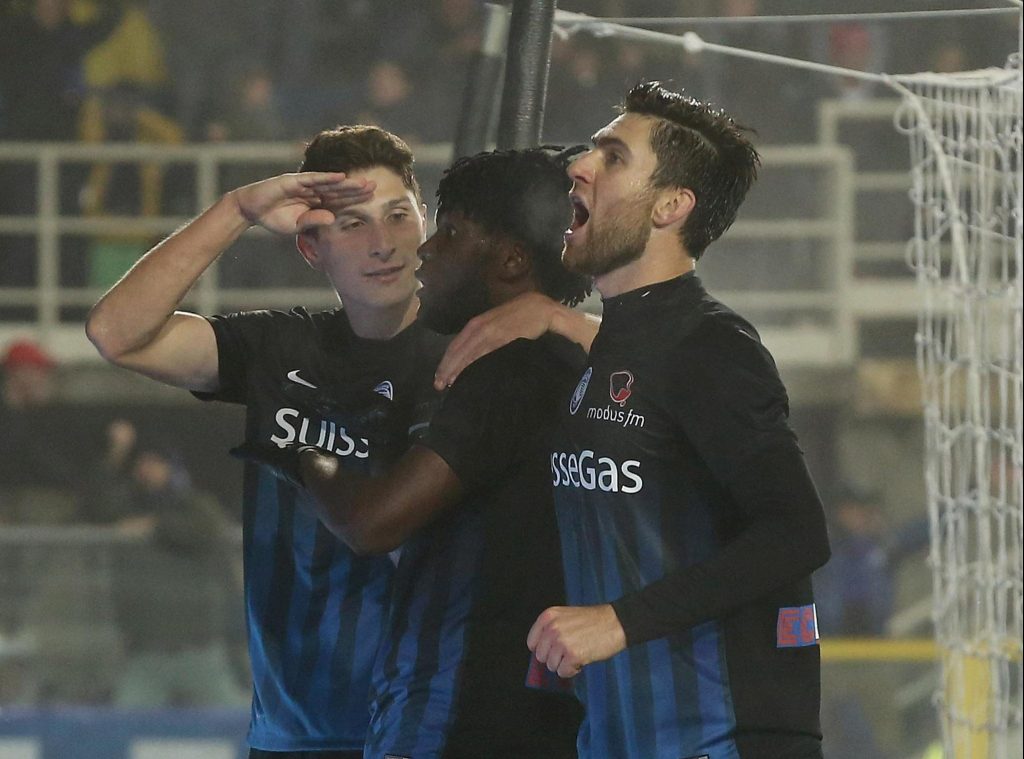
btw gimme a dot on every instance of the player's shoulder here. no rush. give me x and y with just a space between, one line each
719 326
271 331
519 358
269 318
723 339
430 345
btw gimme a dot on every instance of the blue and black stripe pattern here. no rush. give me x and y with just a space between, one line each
670 697
315 610
417 674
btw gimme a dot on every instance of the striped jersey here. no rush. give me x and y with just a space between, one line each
314 609
683 500
450 678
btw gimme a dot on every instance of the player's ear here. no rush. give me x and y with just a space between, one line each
307 249
513 261
672 206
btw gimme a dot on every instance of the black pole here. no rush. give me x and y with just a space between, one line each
483 85
526 74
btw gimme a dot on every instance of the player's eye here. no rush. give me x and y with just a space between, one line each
351 225
398 216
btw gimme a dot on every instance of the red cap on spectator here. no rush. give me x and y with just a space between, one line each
27 353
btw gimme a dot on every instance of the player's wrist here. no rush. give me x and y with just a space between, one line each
571 324
232 205
559 318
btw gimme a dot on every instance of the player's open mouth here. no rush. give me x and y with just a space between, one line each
580 213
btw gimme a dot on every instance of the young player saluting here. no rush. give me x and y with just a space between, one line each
314 608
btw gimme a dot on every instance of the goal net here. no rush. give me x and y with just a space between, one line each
965 143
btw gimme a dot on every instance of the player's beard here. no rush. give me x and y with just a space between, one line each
614 240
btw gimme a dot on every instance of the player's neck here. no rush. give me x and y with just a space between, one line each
661 261
381 323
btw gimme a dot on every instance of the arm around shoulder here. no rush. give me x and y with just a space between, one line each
526 316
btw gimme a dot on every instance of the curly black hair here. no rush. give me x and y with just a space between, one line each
699 147
523 194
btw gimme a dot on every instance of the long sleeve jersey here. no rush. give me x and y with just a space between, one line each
683 499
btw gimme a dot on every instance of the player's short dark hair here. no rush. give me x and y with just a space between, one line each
701 148
523 194
352 148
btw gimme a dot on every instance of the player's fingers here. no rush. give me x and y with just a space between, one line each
543 650
533 637
314 179
569 667
312 218
348 188
467 347
555 658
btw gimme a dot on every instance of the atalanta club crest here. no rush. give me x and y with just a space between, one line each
581 390
619 385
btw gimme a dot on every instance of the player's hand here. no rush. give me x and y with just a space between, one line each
290 203
528 315
366 413
283 463
567 638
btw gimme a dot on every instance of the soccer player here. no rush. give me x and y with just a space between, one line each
689 523
314 608
470 503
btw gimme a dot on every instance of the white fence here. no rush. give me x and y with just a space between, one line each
812 323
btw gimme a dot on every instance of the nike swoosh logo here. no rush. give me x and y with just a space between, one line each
293 375
417 427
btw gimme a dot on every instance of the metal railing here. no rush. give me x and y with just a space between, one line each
808 325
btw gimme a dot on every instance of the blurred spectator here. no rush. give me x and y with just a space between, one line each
38 469
175 640
40 68
201 40
856 46
854 590
28 375
433 44
128 86
41 91
948 57
128 89
123 113
393 104
578 91
249 113
772 99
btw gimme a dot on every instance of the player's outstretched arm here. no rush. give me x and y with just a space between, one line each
529 315
136 325
377 514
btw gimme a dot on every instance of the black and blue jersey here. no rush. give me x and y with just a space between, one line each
314 609
683 499
450 678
